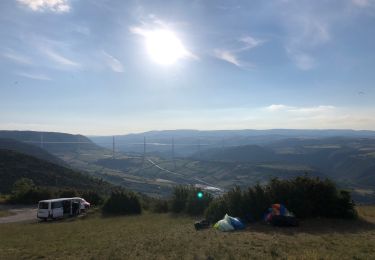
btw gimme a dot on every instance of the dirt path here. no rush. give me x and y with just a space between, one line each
21 213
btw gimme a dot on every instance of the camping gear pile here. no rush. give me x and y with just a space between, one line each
229 223
203 224
276 215
279 215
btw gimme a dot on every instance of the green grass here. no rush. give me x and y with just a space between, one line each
161 236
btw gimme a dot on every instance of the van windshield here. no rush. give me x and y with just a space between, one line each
43 205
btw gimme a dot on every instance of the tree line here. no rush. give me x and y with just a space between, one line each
305 196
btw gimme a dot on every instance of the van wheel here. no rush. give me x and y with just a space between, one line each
45 219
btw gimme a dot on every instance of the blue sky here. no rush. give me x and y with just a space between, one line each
83 66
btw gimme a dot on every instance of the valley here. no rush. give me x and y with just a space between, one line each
206 162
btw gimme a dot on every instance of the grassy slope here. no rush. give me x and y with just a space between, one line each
153 236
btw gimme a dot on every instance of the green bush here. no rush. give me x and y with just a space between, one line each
159 206
93 197
216 210
304 196
185 199
179 198
68 193
32 196
196 206
122 203
25 192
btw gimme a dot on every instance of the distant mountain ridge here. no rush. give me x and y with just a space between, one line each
188 142
53 142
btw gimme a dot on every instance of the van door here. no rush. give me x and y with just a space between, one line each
57 209
43 210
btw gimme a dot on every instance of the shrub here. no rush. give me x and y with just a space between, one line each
179 198
185 200
216 210
256 201
159 206
25 192
68 193
22 185
93 197
32 196
122 203
306 197
197 205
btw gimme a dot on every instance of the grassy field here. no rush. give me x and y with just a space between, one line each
161 236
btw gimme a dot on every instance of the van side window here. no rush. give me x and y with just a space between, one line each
43 205
57 204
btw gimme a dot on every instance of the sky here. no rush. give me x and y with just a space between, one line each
104 67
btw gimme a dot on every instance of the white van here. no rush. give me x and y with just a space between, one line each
59 208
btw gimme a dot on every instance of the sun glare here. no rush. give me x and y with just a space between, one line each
164 47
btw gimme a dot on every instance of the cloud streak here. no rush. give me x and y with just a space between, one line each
16 57
231 55
113 63
307 27
227 56
60 59
33 76
57 6
361 3
300 110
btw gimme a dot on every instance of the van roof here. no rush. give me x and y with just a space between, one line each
59 199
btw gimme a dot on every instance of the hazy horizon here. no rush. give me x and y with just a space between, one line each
198 130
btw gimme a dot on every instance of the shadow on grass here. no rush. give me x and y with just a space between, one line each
317 226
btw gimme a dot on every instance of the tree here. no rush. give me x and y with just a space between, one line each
23 185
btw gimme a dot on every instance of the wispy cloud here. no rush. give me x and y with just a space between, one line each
58 6
250 42
33 76
277 107
361 3
60 59
302 60
301 110
307 28
16 57
113 63
231 55
227 56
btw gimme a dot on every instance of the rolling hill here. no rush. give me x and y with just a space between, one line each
15 165
347 160
29 149
188 142
53 142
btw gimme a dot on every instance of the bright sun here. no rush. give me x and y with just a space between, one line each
164 47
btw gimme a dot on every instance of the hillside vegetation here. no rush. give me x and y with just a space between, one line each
29 149
15 165
53 142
